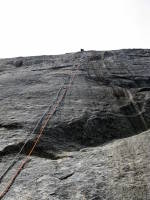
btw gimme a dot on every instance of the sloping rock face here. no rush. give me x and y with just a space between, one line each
96 146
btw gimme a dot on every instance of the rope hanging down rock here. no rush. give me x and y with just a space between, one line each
48 117
17 157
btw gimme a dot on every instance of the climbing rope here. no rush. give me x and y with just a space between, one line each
48 117
17 157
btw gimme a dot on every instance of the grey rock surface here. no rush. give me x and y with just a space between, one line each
96 146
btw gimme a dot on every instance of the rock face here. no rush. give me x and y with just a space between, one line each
96 146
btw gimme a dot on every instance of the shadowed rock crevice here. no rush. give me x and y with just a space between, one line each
39 151
100 129
89 131
66 176
145 89
13 125
18 63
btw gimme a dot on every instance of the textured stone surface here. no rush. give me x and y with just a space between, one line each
97 144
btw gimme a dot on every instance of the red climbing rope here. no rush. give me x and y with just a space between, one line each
49 116
40 121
